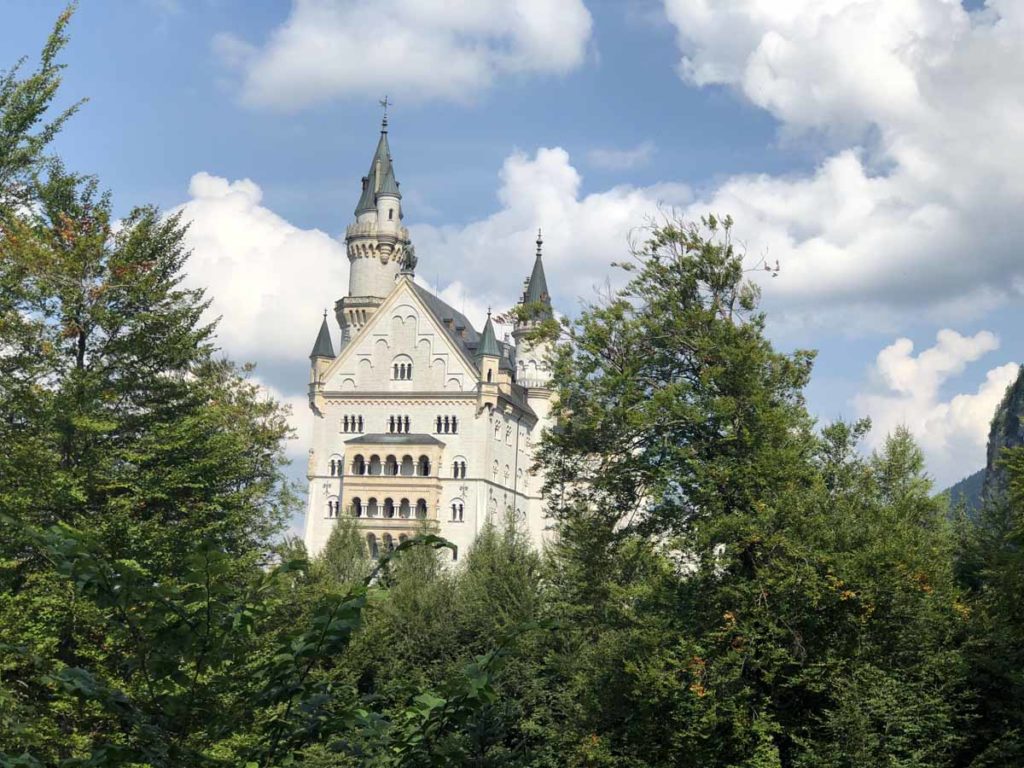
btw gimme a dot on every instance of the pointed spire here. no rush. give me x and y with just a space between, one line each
323 346
537 287
380 180
488 341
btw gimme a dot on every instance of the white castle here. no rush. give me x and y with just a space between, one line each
420 419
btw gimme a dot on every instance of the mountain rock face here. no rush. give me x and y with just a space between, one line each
1007 432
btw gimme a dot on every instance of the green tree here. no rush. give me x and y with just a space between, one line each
994 549
742 591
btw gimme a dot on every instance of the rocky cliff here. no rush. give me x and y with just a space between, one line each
1007 431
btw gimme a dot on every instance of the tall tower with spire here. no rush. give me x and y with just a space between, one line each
531 357
377 244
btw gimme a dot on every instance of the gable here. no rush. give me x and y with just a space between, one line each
403 348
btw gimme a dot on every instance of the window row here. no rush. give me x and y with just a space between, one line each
398 425
402 371
391 466
446 425
388 509
352 424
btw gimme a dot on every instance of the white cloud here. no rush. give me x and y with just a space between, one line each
300 419
268 279
622 159
414 48
583 234
907 390
919 211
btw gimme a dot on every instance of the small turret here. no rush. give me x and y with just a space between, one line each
323 350
488 353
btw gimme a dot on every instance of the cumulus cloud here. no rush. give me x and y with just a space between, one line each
583 234
918 212
415 48
300 420
622 159
268 280
907 390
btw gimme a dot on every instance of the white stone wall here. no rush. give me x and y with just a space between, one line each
496 443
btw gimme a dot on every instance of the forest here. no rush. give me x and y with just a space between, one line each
732 584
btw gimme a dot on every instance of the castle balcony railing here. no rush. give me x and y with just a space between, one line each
372 229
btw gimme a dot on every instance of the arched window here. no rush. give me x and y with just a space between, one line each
389 507
488 375
407 424
357 507
408 466
421 509
455 424
391 466
371 545
457 510
375 466
332 507
371 507
508 435
494 471
404 509
497 430
447 424
389 544
423 468
360 423
459 467
438 428
359 465
455 553
402 538
401 368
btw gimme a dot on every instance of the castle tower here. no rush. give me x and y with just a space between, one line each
531 364
377 244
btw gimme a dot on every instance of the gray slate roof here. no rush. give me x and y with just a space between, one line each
387 438
488 342
323 346
374 186
443 311
537 288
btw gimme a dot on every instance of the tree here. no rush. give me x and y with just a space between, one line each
743 592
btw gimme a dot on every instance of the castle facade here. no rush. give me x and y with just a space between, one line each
420 420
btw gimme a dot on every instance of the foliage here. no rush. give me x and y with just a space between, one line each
730 585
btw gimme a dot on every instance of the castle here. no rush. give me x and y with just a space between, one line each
420 419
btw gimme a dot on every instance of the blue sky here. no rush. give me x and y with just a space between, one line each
869 146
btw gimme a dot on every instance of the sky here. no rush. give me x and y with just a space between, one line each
871 147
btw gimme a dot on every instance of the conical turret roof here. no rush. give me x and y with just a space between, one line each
488 341
380 180
323 346
537 287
